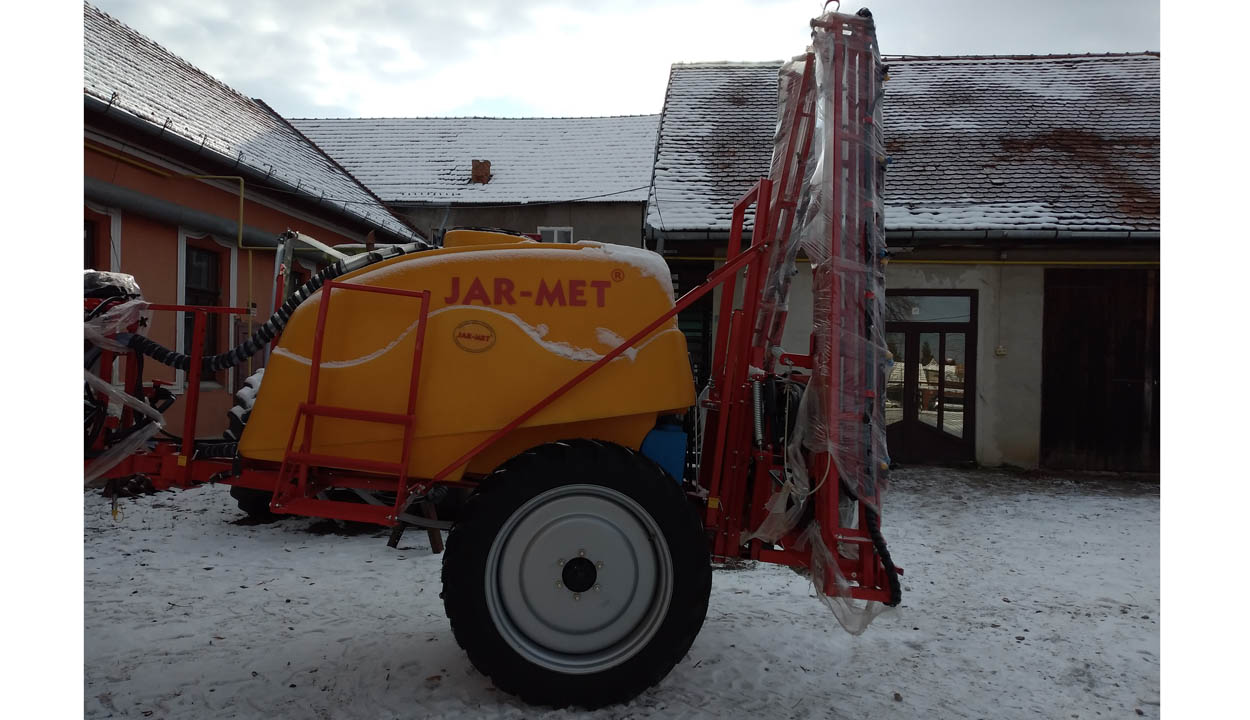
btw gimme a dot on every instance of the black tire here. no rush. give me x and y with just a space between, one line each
572 467
253 502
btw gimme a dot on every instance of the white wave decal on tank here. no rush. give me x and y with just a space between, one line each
537 334
611 339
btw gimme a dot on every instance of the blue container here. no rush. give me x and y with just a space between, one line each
666 444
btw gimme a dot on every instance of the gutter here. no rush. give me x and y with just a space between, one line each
102 108
106 193
897 238
904 237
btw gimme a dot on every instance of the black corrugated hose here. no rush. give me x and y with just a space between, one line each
878 542
272 327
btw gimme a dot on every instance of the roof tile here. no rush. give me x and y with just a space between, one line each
1045 142
428 159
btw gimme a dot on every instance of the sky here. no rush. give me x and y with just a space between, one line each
512 58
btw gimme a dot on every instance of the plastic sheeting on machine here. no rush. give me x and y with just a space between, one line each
840 228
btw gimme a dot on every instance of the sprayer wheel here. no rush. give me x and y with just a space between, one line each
577 574
253 502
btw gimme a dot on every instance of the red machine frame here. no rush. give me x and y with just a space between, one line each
736 472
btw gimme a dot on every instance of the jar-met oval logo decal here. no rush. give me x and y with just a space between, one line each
474 336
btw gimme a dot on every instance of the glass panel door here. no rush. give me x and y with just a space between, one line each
928 385
953 373
894 384
929 410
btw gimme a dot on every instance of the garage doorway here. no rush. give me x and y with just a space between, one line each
1100 370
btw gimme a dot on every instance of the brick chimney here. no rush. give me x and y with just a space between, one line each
481 172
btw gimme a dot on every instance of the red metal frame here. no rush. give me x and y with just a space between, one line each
171 465
292 491
736 471
192 395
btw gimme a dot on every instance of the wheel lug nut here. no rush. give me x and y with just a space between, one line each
599 565
577 596
581 553
596 587
560 563
559 584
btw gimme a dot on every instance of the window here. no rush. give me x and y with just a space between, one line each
928 308
202 287
556 234
88 246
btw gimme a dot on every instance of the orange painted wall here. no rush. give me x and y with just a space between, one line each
150 254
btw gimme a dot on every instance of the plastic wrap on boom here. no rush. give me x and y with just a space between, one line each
839 436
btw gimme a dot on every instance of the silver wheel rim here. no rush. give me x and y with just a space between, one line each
547 603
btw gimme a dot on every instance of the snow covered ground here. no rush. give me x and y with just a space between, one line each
1022 597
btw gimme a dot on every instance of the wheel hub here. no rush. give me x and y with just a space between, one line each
579 579
579 575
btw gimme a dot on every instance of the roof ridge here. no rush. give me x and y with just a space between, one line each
1039 56
482 117
728 63
935 58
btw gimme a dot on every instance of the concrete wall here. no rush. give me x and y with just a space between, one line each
618 223
1009 315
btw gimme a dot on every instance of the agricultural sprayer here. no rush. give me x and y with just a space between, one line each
530 398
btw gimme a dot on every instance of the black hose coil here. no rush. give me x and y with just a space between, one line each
274 326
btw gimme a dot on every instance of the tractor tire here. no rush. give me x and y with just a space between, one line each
253 502
577 574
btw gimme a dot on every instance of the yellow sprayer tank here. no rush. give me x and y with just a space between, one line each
510 320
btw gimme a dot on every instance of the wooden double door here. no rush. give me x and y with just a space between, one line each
1100 370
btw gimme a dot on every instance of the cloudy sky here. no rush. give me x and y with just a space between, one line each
378 58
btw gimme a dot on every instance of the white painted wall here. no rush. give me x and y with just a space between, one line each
1009 308
1009 387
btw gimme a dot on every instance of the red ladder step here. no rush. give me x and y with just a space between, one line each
346 463
355 414
337 510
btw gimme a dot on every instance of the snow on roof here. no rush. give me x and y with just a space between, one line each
135 75
715 141
429 159
1047 142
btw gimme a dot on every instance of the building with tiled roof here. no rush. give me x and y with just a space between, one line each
588 175
187 185
1064 143
130 80
1022 210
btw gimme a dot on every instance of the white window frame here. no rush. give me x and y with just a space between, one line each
180 376
115 265
555 233
115 234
